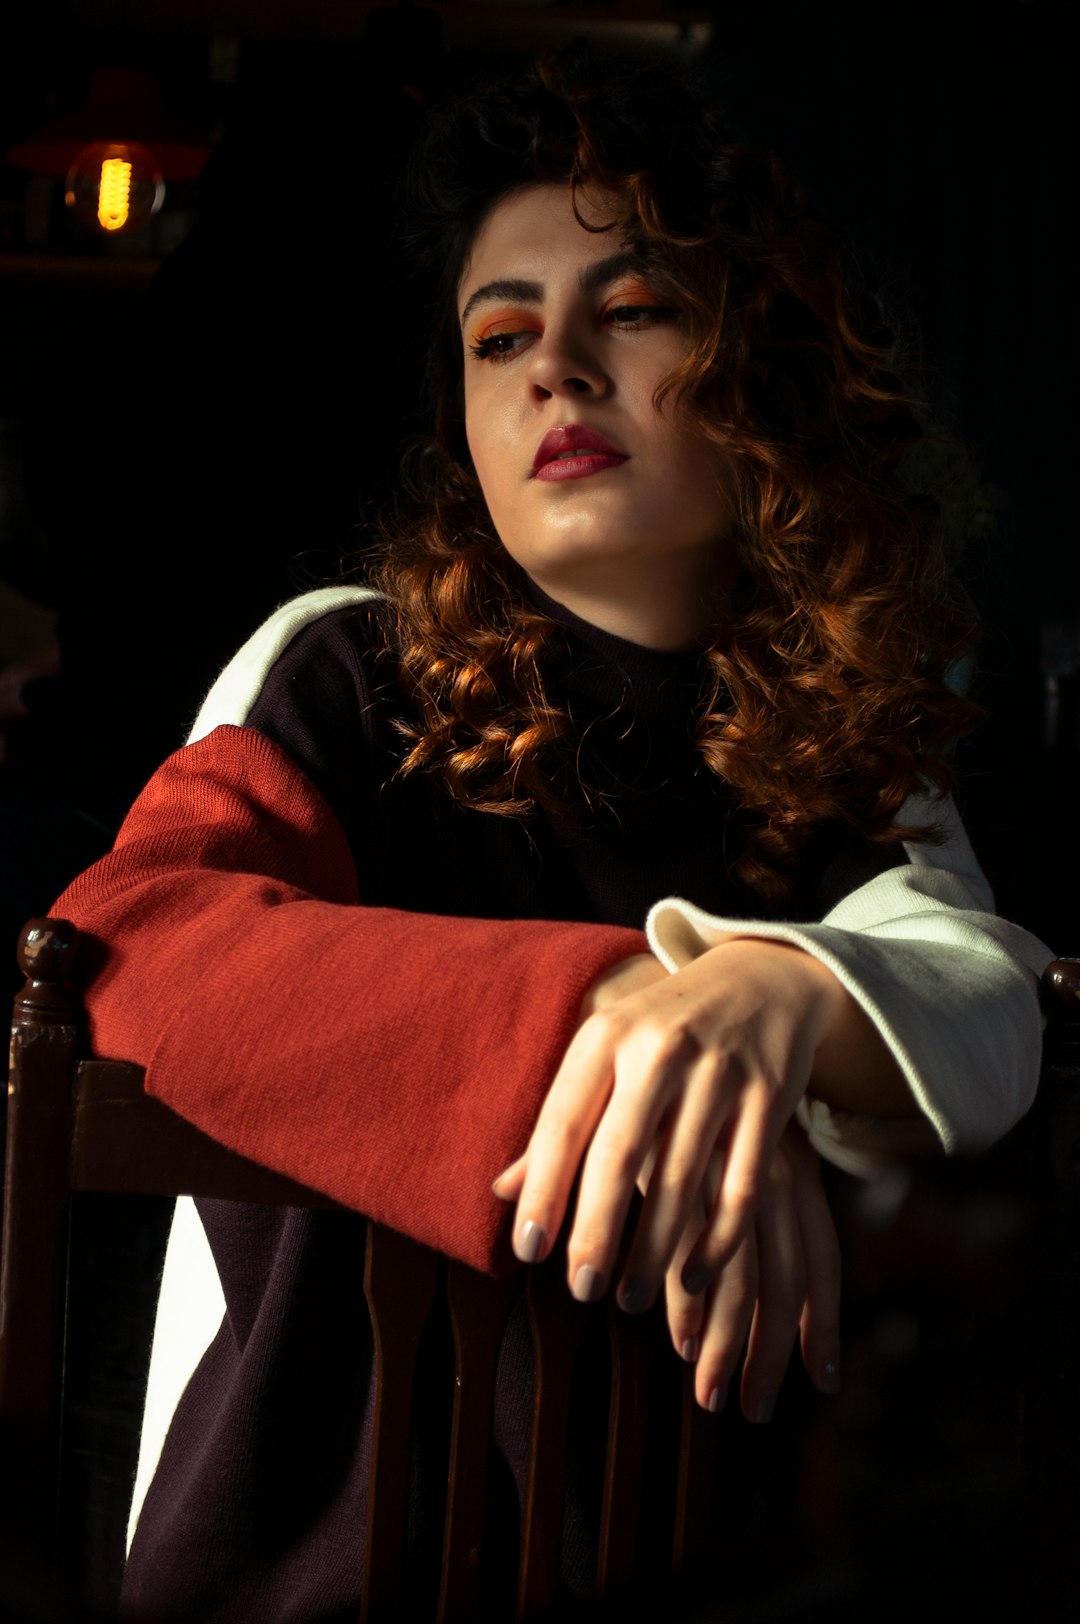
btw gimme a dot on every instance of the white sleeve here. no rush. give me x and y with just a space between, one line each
951 988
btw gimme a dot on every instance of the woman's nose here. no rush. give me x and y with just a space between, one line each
563 365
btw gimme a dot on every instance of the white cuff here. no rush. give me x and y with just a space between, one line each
949 985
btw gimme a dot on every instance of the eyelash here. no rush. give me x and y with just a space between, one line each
658 314
628 319
487 349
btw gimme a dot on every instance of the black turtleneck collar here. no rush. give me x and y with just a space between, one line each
601 673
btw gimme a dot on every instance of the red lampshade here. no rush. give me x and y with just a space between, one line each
123 104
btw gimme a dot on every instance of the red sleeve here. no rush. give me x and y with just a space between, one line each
394 1060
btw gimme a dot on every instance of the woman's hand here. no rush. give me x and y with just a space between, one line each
782 1280
708 1062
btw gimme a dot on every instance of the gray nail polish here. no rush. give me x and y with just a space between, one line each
530 1243
765 1407
633 1295
588 1284
718 1398
690 1349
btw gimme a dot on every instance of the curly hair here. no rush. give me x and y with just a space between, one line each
825 696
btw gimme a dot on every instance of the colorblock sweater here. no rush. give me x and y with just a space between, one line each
340 972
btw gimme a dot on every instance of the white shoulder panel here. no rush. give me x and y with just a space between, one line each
239 685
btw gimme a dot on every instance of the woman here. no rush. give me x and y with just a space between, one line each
665 645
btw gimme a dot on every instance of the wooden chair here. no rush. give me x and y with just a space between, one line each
81 1125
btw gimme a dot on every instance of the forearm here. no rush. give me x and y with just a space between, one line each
391 1059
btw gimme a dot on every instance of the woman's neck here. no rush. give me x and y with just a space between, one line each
665 614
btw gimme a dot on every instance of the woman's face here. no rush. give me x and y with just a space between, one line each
603 499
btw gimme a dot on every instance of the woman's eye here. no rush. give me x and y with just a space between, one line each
501 346
638 315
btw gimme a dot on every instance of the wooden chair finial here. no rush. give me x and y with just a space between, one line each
1060 989
47 948
47 951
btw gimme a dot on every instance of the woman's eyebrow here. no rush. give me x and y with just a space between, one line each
610 269
594 276
526 292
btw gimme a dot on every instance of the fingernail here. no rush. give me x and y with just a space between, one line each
530 1243
496 1182
690 1349
764 1411
696 1281
588 1284
718 1398
829 1379
633 1295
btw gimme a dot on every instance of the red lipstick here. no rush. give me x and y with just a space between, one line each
573 451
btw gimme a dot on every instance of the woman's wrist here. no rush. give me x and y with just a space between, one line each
853 1069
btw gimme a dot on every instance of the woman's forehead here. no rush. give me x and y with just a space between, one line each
534 232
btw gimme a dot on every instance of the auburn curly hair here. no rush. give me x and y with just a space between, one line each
825 696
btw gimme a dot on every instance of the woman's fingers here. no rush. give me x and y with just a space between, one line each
820 1324
568 1119
710 1328
685 1313
571 1111
783 1279
752 1139
783 1276
727 1311
714 1056
623 1145
678 1198
511 1181
621 1075
781 1294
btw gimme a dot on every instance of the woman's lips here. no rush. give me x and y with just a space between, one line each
573 452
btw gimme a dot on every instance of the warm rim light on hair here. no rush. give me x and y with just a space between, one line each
826 699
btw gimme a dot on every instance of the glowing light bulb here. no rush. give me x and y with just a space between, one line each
113 186
114 194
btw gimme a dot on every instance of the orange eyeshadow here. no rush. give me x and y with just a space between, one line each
631 293
507 321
